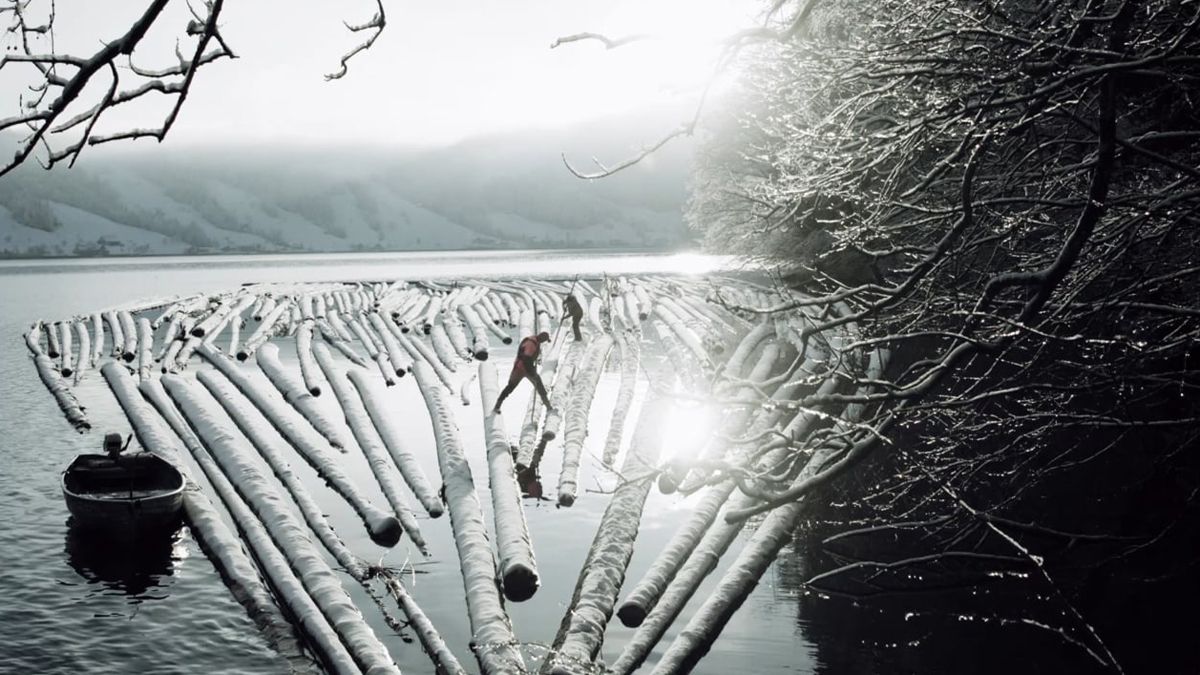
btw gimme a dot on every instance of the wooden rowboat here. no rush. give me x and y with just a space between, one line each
133 493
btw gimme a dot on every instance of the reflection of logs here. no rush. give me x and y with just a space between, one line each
518 570
493 640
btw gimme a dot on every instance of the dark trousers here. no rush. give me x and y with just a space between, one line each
575 327
516 378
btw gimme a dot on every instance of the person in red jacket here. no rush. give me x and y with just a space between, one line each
525 368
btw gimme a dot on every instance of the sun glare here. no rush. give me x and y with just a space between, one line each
686 428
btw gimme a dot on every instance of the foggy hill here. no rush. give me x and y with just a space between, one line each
506 191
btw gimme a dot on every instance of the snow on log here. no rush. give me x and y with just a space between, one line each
265 309
415 346
223 548
67 363
431 313
284 530
265 328
682 365
393 440
443 347
685 334
53 345
582 630
736 365
530 437
479 334
98 342
145 348
272 448
383 528
330 336
400 359
85 350
518 568
235 335
171 333
444 661
493 641
369 441
630 351
365 337
576 416
304 353
335 322
564 382
525 324
234 314
215 318
454 330
295 393
114 329
58 387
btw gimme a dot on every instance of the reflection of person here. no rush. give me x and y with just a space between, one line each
572 309
525 367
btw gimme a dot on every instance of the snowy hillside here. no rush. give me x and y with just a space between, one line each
506 192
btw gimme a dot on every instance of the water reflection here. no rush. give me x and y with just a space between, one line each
130 566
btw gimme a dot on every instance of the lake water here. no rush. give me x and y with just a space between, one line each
73 606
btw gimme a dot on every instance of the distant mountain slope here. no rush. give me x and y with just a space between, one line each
501 192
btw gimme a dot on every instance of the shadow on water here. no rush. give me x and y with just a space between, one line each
134 565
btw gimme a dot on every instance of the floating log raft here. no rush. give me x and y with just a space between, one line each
283 528
582 631
493 640
393 440
384 529
223 548
576 416
518 569
295 393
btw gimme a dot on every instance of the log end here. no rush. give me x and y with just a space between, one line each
315 391
128 357
481 355
435 510
66 372
385 530
197 332
566 499
53 353
548 435
520 583
243 355
632 615
507 341
667 483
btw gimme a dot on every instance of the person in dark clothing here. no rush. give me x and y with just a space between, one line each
525 368
572 308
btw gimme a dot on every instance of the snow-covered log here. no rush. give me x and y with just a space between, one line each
223 548
67 347
304 353
114 329
383 528
364 336
265 309
685 334
98 342
582 631
264 330
531 437
630 354
736 365
129 332
214 319
284 530
444 661
518 568
400 359
493 641
85 350
525 324
567 369
386 423
371 444
53 344
576 416
235 335
431 313
479 334
273 450
145 348
415 346
330 336
56 384
454 330
339 327
295 393
236 309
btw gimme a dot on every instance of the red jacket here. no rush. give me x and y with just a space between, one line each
528 351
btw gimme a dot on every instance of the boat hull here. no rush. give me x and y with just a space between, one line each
134 494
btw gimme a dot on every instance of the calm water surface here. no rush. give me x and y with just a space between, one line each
71 605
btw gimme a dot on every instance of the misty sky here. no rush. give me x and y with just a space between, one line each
442 71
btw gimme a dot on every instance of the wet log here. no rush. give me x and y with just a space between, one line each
493 641
221 545
298 396
371 445
575 417
384 529
518 568
389 432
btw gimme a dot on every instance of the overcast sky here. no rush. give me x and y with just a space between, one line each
442 71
